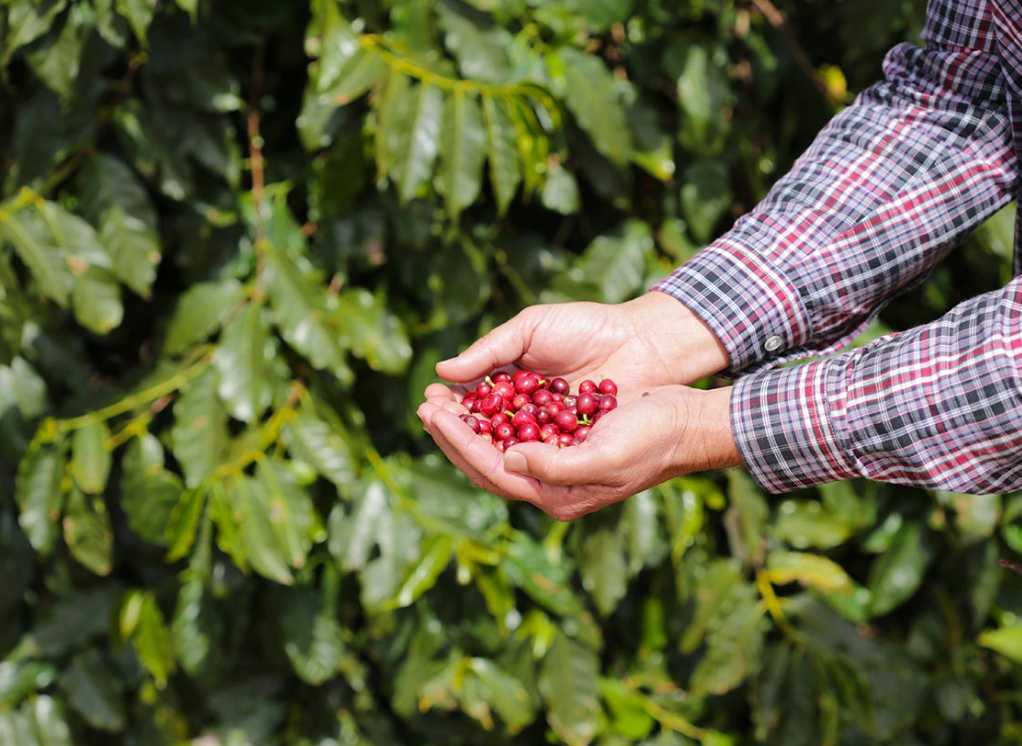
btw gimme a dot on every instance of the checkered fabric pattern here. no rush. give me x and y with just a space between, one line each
886 190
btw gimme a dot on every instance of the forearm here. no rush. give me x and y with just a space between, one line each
939 406
883 193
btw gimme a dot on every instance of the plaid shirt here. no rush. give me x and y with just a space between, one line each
885 191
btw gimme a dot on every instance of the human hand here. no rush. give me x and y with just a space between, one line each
673 430
651 341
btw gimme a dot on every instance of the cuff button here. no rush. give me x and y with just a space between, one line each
772 344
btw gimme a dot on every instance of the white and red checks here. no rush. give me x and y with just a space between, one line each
885 191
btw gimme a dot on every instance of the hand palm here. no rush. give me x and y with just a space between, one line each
588 340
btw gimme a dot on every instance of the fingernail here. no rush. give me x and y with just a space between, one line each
514 461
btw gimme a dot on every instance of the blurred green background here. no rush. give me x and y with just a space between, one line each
235 237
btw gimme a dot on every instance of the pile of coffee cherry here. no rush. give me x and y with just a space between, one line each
523 407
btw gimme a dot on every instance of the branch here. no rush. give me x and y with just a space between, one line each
776 19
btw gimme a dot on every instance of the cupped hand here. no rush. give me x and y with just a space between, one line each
663 433
651 341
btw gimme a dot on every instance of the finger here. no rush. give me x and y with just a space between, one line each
454 407
475 456
426 410
502 346
435 390
585 464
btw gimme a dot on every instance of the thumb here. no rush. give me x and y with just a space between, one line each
502 346
559 466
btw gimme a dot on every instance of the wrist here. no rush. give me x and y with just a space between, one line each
708 441
687 346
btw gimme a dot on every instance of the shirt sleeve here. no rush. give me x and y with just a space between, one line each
885 190
938 406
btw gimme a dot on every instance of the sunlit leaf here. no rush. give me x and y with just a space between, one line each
462 151
40 497
591 94
90 460
87 532
242 358
568 681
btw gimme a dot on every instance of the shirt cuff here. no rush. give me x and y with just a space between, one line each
790 425
750 305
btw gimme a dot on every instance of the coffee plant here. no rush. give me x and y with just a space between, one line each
235 238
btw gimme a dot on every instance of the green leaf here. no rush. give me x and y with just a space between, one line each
395 114
897 574
748 515
313 441
603 569
805 523
142 622
481 54
703 93
200 432
27 20
51 722
629 716
184 523
191 7
94 691
18 679
547 584
111 27
149 493
242 358
640 530
504 692
376 333
975 515
72 621
1007 641
257 534
39 496
560 192
716 585
291 512
436 556
279 523
304 312
502 150
117 201
87 532
201 311
733 647
330 38
91 461
568 682
591 94
97 300
352 537
58 64
413 164
22 389
706 196
823 575
602 14
195 628
810 570
462 152
312 638
616 264
139 14
43 254
357 76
